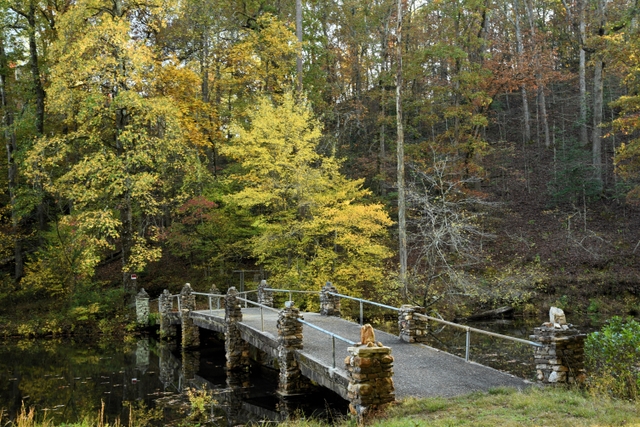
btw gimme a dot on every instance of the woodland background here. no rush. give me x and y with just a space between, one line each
177 140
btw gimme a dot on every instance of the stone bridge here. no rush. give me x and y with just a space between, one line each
325 352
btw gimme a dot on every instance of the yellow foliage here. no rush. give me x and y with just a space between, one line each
312 223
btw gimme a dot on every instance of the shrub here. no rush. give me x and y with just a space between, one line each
612 358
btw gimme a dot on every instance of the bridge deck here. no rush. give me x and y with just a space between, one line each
419 370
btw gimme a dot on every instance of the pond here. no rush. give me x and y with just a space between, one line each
70 380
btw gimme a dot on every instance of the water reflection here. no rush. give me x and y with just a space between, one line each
67 381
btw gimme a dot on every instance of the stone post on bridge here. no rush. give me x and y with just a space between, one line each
329 304
370 373
561 357
290 381
236 349
265 297
142 308
215 301
190 332
412 328
165 307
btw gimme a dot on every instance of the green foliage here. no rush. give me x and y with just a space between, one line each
612 358
573 177
64 264
200 402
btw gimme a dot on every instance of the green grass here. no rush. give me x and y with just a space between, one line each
506 407
500 407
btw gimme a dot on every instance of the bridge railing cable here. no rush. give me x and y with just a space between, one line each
333 336
292 291
467 329
218 297
363 301
262 308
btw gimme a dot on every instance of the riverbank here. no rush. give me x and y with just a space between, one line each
503 407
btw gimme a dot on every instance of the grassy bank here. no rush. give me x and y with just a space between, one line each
499 407
505 407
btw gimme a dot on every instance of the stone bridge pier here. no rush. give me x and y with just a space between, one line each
236 349
291 381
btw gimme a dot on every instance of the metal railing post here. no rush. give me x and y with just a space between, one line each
333 344
218 303
210 304
179 304
361 314
466 353
261 319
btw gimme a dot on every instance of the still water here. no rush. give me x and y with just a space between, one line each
68 380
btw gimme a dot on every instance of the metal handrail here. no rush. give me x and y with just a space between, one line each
262 307
218 296
290 291
362 301
470 329
333 339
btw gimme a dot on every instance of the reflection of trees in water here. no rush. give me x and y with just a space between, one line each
68 380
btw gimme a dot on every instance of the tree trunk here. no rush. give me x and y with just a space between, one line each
12 169
299 35
596 135
523 89
35 70
126 237
402 227
584 136
542 101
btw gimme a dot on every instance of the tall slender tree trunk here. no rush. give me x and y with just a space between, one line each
523 90
542 99
35 69
299 35
12 169
584 136
402 226
596 134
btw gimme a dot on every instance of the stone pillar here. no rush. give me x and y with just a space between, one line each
561 357
370 373
235 396
190 332
291 381
236 350
215 301
168 364
190 365
329 304
142 308
142 354
265 297
412 328
165 307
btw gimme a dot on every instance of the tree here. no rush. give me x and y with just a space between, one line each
402 227
118 160
445 218
312 222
